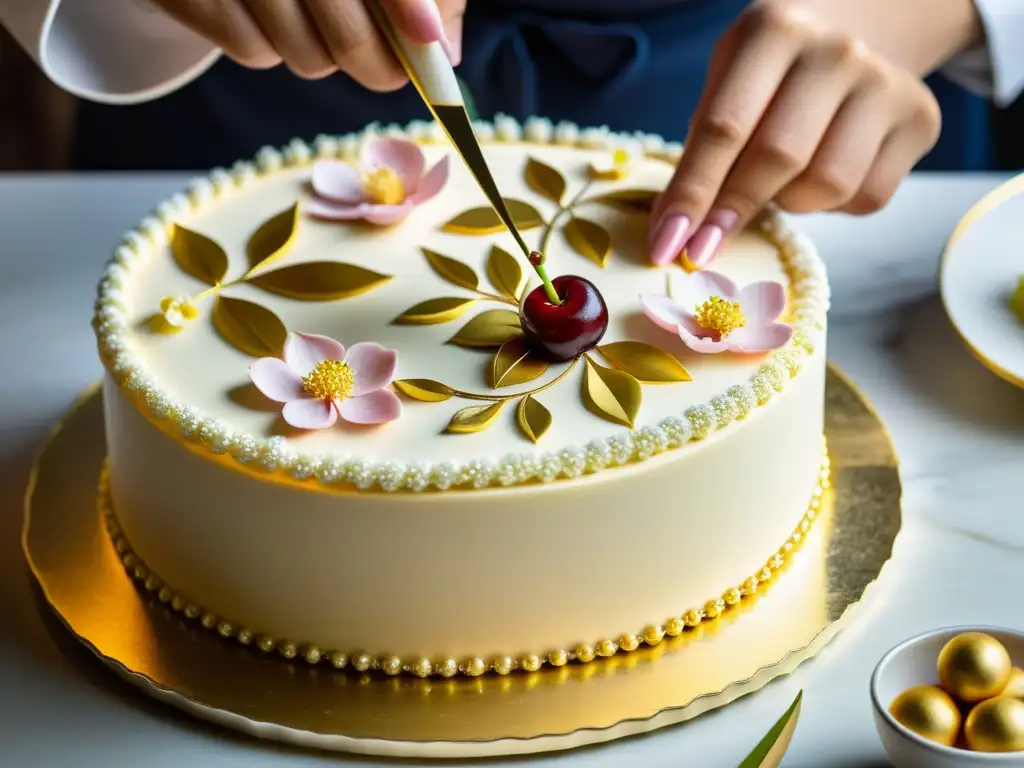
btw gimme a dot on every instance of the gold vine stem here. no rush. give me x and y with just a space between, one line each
503 398
549 230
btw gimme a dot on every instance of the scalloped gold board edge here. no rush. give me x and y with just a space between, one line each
187 666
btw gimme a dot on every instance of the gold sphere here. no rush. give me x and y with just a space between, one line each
928 711
996 725
1015 686
974 666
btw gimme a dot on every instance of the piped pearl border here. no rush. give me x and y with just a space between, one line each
361 661
809 289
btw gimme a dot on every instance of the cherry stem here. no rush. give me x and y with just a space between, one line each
549 287
542 273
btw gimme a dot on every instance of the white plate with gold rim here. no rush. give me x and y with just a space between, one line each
980 268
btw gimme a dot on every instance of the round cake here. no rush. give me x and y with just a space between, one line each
343 422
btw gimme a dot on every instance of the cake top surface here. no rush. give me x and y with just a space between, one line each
430 290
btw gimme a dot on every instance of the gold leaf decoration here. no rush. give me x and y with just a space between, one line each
249 327
489 329
485 221
320 280
645 362
424 390
771 749
589 239
434 311
611 394
533 418
453 271
198 255
515 364
476 418
545 180
274 238
504 272
629 200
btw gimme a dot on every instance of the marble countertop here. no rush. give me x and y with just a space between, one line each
958 430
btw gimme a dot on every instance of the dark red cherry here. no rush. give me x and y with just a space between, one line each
564 331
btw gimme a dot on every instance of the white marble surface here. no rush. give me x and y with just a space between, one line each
959 431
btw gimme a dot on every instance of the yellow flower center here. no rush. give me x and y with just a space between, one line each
384 187
620 157
718 315
331 379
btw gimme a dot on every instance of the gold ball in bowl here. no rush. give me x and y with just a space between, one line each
928 711
1015 686
996 725
974 666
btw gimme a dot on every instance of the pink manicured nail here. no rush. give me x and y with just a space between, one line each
427 23
452 50
703 247
668 238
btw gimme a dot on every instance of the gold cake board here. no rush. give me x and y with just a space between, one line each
181 663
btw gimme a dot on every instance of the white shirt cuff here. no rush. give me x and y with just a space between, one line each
109 51
996 68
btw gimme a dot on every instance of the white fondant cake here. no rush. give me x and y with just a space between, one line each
641 488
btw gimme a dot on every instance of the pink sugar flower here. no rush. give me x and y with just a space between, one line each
383 187
318 380
711 315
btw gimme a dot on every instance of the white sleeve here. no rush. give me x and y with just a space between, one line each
996 68
110 51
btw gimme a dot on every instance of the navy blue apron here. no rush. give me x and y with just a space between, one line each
631 70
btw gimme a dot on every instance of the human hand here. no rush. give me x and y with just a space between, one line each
316 38
795 110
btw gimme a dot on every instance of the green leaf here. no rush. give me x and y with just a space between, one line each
769 752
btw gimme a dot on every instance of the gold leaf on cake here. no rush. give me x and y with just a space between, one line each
504 272
545 180
489 329
589 239
485 220
424 390
514 363
611 394
533 418
320 280
771 749
453 271
249 327
476 418
274 238
434 311
644 362
198 255
629 200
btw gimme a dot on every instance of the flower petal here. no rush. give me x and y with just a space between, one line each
759 338
697 287
663 311
432 183
302 351
386 215
372 408
402 156
325 209
372 365
338 181
762 302
706 346
276 379
310 413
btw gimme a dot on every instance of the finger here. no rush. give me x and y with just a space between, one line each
230 27
781 147
419 20
761 61
356 45
844 156
453 11
294 36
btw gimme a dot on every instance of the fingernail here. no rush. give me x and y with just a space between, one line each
668 238
703 246
452 50
428 22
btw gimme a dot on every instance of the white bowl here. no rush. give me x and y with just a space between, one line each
913 662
